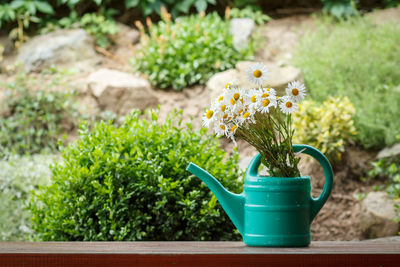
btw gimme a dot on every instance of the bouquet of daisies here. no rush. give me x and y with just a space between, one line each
260 117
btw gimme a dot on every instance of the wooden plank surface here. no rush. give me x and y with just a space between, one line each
196 254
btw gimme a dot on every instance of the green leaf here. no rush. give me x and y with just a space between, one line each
201 5
131 3
44 7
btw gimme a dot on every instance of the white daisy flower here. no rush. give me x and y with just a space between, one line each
231 133
268 92
287 105
266 103
231 84
209 118
221 129
296 90
234 100
257 73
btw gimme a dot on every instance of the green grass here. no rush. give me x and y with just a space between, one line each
361 61
18 177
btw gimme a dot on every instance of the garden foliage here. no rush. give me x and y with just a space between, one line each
188 51
358 60
33 120
96 25
327 126
18 177
130 183
388 168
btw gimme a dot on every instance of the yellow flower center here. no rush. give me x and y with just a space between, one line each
236 96
220 98
254 99
289 104
257 73
240 111
209 114
246 115
265 95
223 107
266 102
225 116
234 127
227 85
295 91
222 127
241 100
233 101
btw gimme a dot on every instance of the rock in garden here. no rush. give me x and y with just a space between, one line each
121 92
58 47
389 152
241 30
125 36
218 81
277 77
377 216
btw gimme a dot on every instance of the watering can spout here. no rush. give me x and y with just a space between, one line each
233 204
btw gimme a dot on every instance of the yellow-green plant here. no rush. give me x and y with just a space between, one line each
328 126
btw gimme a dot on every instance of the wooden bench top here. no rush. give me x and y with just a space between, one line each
319 253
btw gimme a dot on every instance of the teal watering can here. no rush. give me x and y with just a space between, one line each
272 211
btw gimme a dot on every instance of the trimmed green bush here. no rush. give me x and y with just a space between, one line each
188 51
361 61
18 177
131 183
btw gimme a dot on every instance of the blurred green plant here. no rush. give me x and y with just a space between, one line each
18 177
186 52
131 183
388 169
23 12
32 119
340 9
149 7
391 3
359 60
327 126
250 12
96 25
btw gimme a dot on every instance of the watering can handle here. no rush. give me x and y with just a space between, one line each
316 203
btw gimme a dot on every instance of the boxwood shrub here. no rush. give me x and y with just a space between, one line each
130 183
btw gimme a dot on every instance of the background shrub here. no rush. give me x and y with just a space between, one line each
188 51
130 183
358 60
388 169
96 25
328 126
32 120
18 177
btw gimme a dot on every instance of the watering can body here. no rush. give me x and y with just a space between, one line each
272 211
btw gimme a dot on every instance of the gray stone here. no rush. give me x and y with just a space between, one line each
389 151
58 47
125 36
217 82
121 92
378 215
277 78
241 30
